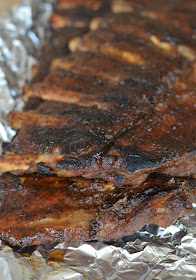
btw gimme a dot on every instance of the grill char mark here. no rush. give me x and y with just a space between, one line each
108 158
63 209
161 141
64 129
89 91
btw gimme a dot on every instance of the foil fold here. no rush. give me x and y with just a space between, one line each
22 31
153 253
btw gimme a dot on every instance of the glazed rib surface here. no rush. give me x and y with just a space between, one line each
106 112
39 209
119 145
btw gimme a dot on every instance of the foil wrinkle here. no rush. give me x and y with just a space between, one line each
153 253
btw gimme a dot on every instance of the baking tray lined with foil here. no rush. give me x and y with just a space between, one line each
152 253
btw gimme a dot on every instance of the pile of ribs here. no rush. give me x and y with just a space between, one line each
106 142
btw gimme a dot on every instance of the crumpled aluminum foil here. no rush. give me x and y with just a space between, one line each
22 31
152 253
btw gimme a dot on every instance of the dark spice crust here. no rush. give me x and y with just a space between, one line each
38 209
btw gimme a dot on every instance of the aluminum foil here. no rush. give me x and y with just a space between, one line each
152 253
22 31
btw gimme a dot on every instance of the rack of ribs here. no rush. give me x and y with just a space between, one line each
38 209
108 132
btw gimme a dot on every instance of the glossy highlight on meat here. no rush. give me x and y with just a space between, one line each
38 209
160 141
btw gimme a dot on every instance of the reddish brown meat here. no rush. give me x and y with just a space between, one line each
163 35
69 4
117 109
161 142
86 147
70 19
91 91
38 209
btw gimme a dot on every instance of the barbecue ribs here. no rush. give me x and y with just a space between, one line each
106 141
39 209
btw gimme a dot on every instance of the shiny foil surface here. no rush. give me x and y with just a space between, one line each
153 253
22 31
